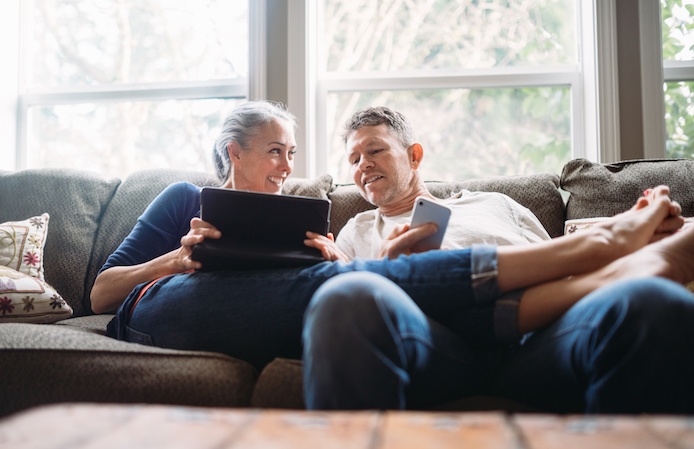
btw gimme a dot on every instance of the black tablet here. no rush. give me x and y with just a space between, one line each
260 230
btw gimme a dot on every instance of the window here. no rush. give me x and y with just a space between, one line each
118 86
678 69
491 87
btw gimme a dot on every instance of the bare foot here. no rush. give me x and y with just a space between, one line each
653 217
671 258
671 223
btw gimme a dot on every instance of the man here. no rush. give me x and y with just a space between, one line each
368 345
385 159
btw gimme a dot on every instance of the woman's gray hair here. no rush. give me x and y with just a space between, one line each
241 125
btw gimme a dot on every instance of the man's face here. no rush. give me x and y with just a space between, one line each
381 166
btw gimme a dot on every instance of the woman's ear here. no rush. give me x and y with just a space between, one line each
416 154
234 150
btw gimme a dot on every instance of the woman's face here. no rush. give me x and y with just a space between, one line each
268 160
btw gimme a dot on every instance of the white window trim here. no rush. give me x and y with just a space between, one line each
601 97
652 78
678 70
257 51
9 83
301 75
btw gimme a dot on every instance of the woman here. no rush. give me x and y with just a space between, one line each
256 316
255 151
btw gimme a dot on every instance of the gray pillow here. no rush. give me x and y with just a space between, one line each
603 190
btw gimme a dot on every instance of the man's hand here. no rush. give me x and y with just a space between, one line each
402 239
331 252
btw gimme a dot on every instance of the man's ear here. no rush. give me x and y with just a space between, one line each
416 154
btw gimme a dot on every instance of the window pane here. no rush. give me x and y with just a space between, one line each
469 133
391 35
679 124
102 42
678 30
115 139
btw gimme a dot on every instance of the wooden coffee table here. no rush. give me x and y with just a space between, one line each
152 426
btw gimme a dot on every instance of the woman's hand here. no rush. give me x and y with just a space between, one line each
199 231
327 246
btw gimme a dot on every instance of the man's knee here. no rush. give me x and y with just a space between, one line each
653 312
654 301
344 308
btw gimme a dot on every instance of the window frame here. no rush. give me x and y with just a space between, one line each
672 71
593 83
252 87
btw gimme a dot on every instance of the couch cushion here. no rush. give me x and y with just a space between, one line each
539 193
318 187
139 189
75 201
28 299
22 243
58 363
280 385
603 190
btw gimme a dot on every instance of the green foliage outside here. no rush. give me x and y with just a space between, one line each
466 132
678 29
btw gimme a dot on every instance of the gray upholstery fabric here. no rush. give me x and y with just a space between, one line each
603 190
346 203
316 188
75 201
539 193
280 385
49 363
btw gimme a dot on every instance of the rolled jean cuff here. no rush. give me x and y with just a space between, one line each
484 273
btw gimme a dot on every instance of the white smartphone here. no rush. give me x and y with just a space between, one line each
429 211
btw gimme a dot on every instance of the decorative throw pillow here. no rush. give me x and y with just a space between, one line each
21 245
27 299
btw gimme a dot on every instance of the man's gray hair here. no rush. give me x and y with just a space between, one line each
381 115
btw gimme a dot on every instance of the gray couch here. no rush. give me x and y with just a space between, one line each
72 359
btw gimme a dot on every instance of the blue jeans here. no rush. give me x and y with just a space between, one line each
625 348
257 315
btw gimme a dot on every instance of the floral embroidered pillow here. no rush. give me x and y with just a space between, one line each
21 245
27 299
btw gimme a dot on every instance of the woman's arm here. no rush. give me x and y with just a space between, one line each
114 284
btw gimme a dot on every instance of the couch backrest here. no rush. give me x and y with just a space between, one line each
75 201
